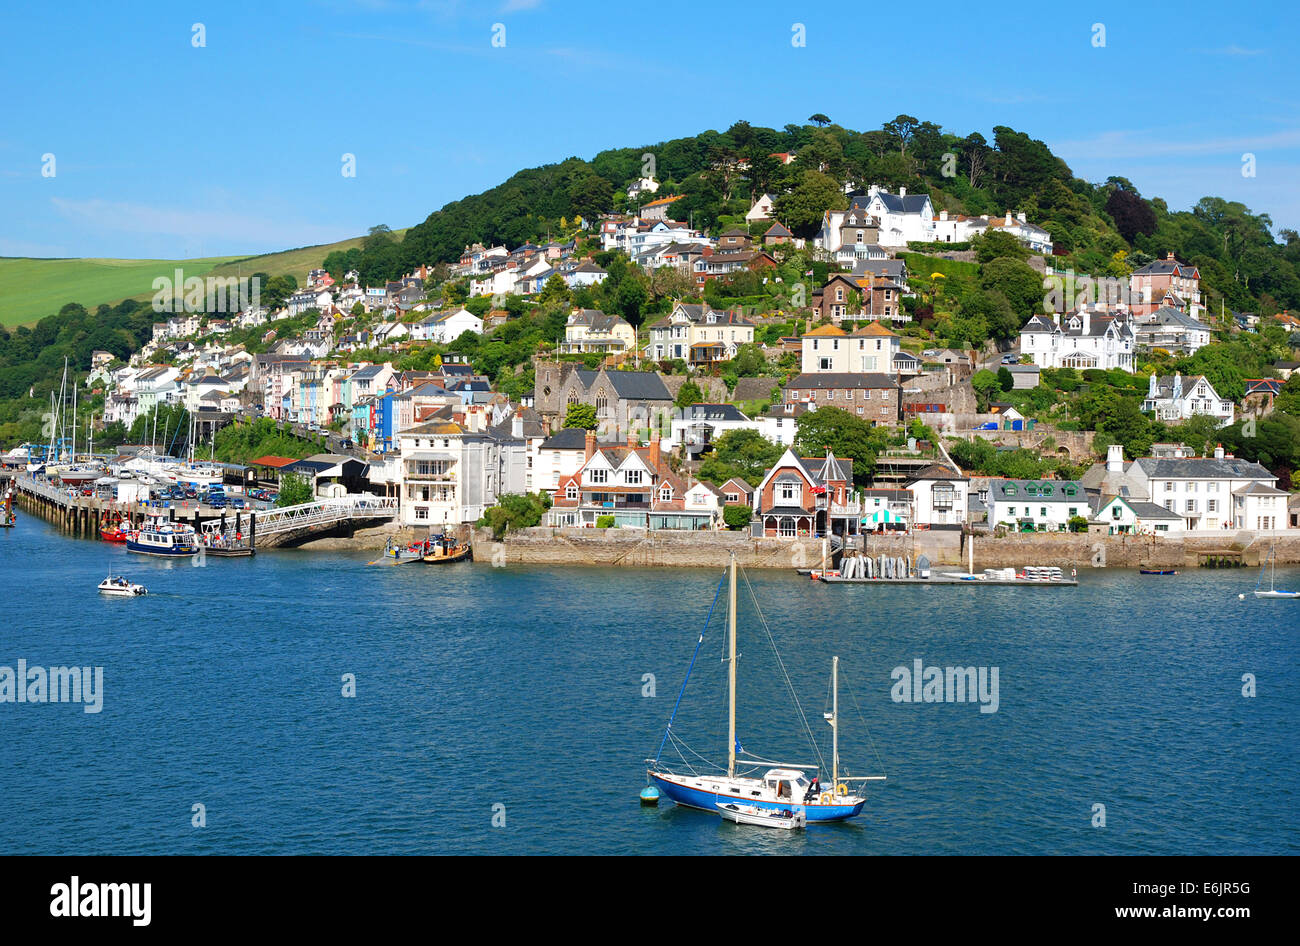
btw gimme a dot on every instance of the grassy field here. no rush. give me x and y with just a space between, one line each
31 289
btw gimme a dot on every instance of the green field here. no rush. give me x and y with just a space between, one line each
31 289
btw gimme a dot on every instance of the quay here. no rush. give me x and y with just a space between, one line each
236 533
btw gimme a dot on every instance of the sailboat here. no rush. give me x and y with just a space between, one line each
783 789
1273 591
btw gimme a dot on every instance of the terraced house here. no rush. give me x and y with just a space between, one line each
873 397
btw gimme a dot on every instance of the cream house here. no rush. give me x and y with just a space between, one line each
698 334
590 330
868 350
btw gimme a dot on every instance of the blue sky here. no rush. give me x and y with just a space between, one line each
165 150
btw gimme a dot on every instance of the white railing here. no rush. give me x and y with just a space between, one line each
49 491
325 512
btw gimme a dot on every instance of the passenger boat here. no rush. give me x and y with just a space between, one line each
158 536
782 789
119 587
443 550
752 814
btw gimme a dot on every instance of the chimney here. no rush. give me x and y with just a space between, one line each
1114 459
1021 217
632 442
902 192
654 451
1007 222
943 215
589 446
1218 451
517 425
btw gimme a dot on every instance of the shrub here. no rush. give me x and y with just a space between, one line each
737 517
604 522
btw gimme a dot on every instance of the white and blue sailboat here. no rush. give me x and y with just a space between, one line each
787 789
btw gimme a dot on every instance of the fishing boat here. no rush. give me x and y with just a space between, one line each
119 587
752 814
444 550
780 788
158 536
114 531
1273 591
397 554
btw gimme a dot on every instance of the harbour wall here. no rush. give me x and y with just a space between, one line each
636 548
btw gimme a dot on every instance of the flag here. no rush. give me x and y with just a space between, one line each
739 747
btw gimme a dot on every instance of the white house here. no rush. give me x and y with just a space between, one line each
1172 330
1083 339
1037 505
445 327
1175 399
697 427
762 209
1213 493
450 474
902 217
939 496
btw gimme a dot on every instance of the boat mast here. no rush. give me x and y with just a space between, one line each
731 672
835 722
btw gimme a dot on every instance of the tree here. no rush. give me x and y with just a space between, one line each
844 434
581 415
993 244
1132 214
737 517
1019 282
986 384
515 511
1005 379
818 119
294 490
746 454
812 196
689 394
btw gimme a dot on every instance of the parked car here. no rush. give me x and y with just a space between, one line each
237 503
1010 359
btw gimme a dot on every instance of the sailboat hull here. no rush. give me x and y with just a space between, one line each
707 793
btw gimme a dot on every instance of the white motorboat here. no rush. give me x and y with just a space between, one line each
119 587
788 819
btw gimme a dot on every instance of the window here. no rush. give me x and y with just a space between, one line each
1211 505
789 492
1011 510
598 476
666 494
421 512
866 395
632 477
1191 505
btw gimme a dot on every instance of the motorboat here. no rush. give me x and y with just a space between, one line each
119 587
786 818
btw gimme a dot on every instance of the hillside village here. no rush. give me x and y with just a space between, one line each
881 365
450 443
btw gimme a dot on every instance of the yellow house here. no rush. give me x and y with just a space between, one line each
590 330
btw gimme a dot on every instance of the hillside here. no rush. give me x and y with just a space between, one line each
31 289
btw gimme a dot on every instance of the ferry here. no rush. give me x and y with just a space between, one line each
158 536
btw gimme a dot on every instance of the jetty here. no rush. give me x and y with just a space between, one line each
236 533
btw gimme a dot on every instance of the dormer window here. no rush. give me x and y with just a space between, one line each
571 492
666 494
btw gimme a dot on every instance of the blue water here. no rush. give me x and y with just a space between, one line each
481 687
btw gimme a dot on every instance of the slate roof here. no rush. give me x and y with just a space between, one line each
936 471
825 380
570 438
911 204
717 412
1202 468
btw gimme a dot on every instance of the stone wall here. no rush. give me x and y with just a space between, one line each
636 548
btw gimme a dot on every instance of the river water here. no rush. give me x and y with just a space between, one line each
510 709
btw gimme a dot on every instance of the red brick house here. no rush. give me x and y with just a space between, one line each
807 497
